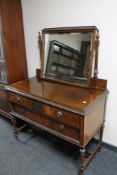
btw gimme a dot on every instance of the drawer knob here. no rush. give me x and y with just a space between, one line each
61 127
17 99
22 110
19 109
58 115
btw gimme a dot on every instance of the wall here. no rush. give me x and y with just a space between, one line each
38 14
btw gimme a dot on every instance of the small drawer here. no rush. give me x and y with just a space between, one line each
54 126
62 116
26 102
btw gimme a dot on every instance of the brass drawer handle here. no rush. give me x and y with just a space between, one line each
61 127
58 115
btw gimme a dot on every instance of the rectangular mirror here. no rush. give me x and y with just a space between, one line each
67 54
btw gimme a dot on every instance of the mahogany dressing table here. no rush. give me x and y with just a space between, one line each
66 98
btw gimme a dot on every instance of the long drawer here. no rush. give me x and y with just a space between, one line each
54 113
58 127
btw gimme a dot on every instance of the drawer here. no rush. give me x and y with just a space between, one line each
26 102
53 125
63 116
54 113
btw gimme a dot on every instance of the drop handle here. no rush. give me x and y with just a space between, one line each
61 127
58 115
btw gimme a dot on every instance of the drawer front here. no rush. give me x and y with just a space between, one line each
58 127
54 113
63 116
26 102
30 104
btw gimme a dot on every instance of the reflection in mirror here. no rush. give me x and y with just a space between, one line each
67 56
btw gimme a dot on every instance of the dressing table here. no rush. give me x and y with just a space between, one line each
66 98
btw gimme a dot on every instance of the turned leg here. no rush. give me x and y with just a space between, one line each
101 136
82 160
15 127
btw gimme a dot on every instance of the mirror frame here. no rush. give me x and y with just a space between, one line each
93 62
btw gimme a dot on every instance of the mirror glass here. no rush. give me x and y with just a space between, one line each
67 56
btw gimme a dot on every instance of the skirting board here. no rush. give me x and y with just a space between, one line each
107 146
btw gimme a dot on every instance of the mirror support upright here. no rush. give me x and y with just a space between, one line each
96 58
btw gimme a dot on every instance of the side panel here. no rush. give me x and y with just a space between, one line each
94 120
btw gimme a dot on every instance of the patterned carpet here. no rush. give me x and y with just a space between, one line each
42 154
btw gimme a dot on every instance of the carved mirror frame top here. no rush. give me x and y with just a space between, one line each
93 60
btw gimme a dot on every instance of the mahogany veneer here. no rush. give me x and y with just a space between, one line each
72 113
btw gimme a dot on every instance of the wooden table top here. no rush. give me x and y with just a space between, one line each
76 98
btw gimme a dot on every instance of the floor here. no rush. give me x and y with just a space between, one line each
41 154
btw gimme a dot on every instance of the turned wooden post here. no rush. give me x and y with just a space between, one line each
101 136
82 160
14 127
96 58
